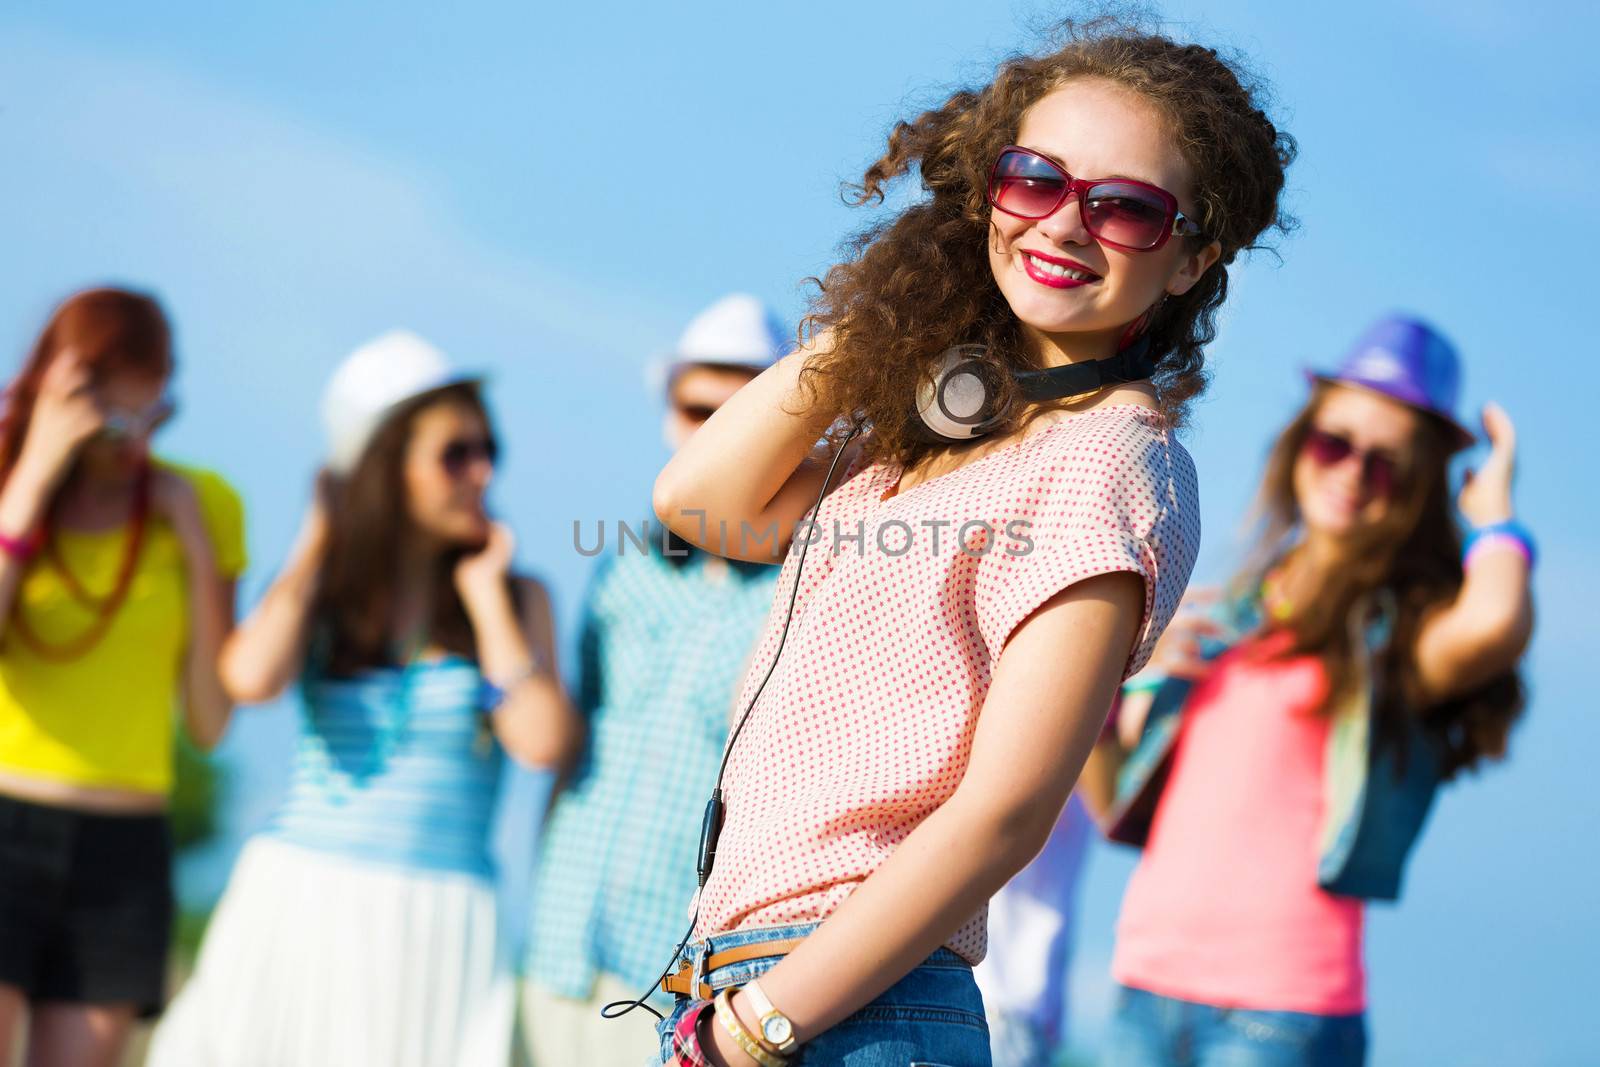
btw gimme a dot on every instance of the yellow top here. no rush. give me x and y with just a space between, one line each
106 718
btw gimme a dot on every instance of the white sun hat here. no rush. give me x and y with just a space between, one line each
737 331
386 371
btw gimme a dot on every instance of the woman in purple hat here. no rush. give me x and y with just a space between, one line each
1285 744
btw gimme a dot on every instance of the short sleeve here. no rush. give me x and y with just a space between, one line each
1085 512
223 512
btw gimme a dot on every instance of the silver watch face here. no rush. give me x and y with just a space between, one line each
776 1029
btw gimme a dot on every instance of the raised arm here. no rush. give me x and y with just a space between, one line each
1051 687
265 652
65 415
743 480
1485 629
535 721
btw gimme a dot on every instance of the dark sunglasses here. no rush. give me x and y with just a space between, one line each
458 456
695 412
1131 215
1380 472
120 425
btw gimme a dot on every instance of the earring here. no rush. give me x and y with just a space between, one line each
1138 326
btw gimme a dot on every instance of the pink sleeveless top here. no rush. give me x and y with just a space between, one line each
1224 907
866 724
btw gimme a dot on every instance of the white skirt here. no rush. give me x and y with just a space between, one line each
315 960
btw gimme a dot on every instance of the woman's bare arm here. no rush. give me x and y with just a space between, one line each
743 480
65 415
536 723
1486 628
1051 688
265 653
207 707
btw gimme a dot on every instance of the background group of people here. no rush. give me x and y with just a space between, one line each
1274 747
362 925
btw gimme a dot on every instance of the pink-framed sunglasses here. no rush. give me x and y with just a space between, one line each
1131 215
1380 471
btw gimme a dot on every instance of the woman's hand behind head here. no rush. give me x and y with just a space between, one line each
1486 496
66 414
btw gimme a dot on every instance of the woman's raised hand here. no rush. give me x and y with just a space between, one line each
314 525
1486 495
483 573
65 415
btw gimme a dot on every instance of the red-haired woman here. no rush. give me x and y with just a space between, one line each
1292 737
990 564
117 576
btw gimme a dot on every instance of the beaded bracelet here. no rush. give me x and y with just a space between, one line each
1507 533
21 549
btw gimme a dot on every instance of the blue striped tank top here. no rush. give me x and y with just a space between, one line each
393 765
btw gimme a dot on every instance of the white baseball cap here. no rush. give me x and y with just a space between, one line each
386 371
737 331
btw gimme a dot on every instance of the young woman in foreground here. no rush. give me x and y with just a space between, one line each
1364 657
117 574
967 611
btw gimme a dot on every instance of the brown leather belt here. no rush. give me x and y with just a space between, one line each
683 982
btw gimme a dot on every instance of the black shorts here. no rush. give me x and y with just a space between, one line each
85 905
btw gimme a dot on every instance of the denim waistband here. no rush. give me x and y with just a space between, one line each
737 974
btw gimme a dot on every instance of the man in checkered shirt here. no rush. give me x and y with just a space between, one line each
665 638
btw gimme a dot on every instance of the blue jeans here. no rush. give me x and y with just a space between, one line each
933 1017
1150 1030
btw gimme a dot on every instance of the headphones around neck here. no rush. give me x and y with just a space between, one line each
962 402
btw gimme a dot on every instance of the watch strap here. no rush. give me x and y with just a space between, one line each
764 1011
743 1038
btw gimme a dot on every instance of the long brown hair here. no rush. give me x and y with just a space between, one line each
368 522
1412 554
116 331
921 282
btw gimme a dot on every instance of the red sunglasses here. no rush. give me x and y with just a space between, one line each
1131 215
1379 470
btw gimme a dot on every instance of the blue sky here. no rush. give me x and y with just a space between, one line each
551 192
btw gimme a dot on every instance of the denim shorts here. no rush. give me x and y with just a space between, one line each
933 1017
1151 1030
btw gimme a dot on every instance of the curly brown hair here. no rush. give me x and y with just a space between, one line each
1413 553
918 283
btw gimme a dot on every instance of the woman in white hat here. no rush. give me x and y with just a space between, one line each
361 926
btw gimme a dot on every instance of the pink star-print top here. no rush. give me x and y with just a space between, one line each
866 724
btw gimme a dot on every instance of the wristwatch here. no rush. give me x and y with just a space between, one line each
751 1045
776 1029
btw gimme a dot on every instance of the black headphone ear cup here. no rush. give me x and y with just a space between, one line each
959 402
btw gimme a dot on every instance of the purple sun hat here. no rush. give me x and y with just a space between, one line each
1406 359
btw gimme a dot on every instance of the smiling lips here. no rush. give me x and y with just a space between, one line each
1056 272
